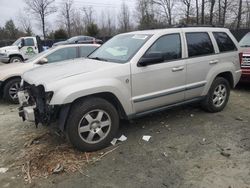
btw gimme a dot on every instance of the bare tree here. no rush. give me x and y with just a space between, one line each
25 23
224 11
212 3
77 27
88 15
167 8
203 12
239 14
66 13
197 11
124 18
187 4
41 9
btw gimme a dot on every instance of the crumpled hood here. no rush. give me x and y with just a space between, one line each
62 70
8 48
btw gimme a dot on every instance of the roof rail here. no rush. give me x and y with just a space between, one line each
186 25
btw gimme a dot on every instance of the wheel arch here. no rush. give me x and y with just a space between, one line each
16 55
110 97
7 80
228 76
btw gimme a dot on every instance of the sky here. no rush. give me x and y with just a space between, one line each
10 9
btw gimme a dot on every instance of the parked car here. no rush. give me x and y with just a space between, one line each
132 75
245 58
80 40
22 49
10 74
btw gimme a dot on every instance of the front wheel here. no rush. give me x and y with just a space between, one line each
218 95
15 59
92 124
10 90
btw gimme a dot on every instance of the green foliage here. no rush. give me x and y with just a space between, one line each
60 34
92 30
11 29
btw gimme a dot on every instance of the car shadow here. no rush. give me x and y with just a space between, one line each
243 87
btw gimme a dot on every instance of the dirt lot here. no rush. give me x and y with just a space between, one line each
188 148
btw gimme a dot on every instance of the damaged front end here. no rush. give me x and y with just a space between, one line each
34 104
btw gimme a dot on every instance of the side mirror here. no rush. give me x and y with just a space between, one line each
42 61
150 58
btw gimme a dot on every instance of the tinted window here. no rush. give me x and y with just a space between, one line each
224 42
62 54
199 44
29 42
86 50
169 46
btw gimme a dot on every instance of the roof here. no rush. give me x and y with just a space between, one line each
175 29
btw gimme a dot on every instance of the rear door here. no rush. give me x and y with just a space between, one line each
201 58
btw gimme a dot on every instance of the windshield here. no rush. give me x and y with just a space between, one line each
38 55
17 42
121 48
245 41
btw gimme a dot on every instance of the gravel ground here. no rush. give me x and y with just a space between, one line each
188 148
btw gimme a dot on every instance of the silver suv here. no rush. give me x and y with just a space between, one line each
132 75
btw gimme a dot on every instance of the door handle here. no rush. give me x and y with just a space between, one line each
213 62
175 69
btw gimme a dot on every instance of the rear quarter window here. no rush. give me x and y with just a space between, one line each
199 43
224 42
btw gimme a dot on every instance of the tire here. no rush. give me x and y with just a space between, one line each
10 90
88 132
218 95
15 59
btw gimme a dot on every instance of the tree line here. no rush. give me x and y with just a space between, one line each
147 14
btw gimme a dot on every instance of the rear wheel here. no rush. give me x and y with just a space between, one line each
10 90
218 95
92 124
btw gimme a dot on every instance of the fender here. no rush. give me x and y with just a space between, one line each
70 93
215 71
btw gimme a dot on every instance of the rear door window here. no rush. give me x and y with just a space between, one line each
199 44
224 42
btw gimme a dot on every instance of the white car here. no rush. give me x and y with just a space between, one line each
132 75
10 74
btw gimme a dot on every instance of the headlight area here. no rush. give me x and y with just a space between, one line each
44 113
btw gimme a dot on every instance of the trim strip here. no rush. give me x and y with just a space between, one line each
162 108
153 96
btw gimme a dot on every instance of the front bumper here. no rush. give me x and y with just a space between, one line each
245 76
27 113
34 105
4 59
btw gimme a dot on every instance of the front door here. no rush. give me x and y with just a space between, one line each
160 84
29 49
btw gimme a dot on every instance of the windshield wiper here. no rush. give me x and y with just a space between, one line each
98 58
